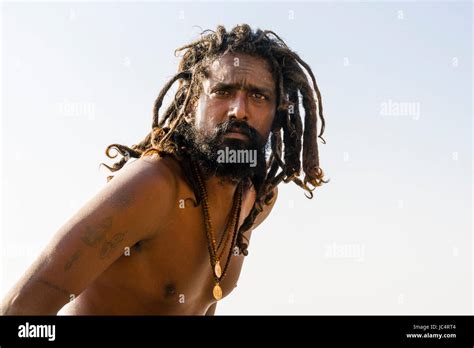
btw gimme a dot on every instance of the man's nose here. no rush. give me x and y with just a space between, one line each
238 106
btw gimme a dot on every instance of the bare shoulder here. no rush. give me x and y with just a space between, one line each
153 168
148 185
151 173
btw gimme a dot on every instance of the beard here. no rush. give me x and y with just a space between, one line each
230 159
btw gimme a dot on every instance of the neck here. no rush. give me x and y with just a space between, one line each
220 189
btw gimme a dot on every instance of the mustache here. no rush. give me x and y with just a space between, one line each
238 126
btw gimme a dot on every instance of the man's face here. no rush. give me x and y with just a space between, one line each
238 87
235 111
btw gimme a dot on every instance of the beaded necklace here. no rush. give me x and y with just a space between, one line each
214 254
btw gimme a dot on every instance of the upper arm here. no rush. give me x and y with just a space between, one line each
125 211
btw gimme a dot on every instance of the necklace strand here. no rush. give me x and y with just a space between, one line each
214 255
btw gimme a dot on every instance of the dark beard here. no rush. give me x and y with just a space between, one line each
209 151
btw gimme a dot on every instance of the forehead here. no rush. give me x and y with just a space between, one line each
241 68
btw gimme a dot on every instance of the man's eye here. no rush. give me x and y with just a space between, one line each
221 92
260 96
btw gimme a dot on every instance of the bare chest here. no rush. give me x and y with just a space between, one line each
171 273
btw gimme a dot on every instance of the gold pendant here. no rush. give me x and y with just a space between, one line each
217 292
217 269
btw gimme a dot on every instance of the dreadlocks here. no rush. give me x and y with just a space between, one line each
292 85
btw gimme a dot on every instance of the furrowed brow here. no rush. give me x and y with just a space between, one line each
249 87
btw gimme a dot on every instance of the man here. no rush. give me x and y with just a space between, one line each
169 233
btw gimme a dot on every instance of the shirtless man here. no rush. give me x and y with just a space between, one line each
135 249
